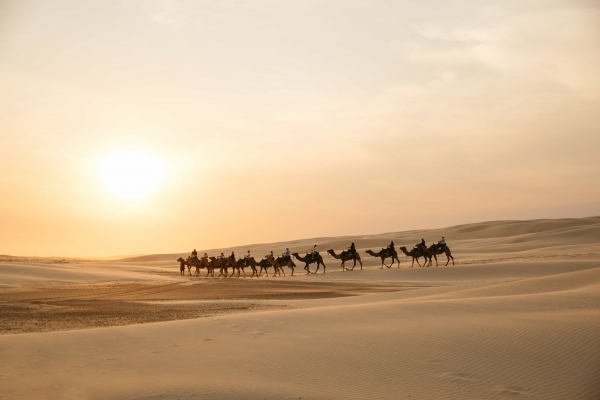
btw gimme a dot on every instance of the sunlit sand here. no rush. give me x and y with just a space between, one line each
518 315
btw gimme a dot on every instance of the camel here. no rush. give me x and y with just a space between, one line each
280 262
182 264
264 265
415 254
437 249
237 265
309 259
193 262
346 256
222 264
251 262
383 254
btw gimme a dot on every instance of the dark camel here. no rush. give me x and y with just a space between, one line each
415 254
251 262
280 262
437 249
309 259
221 264
346 256
264 266
383 254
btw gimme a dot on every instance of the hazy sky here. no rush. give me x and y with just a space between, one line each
278 120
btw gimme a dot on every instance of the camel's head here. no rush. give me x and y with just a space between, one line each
330 251
180 259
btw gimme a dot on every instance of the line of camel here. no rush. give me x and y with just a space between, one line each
223 264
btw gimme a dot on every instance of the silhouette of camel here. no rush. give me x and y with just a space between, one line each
346 256
383 254
310 259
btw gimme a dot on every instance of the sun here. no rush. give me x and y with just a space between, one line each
131 174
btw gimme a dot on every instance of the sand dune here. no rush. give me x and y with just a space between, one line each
518 316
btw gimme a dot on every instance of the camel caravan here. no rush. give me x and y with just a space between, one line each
238 266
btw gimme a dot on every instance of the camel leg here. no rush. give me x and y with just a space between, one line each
360 261
318 265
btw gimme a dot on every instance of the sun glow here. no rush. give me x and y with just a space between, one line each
131 174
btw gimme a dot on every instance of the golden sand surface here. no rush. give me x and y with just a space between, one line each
517 316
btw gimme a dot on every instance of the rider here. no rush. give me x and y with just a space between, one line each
232 256
248 255
391 247
315 251
442 242
352 249
286 255
422 244
222 256
194 254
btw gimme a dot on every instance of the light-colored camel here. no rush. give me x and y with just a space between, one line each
310 259
346 256
383 254
437 249
415 254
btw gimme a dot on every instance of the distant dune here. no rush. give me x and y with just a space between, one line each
502 236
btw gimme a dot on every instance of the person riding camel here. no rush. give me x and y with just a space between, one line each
391 249
286 255
315 252
248 255
205 257
194 254
442 243
421 245
352 249
222 256
232 256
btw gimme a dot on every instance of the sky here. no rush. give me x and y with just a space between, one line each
275 121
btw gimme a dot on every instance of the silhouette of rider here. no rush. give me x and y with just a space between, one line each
352 249
422 244
391 248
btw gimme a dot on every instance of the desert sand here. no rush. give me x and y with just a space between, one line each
517 316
